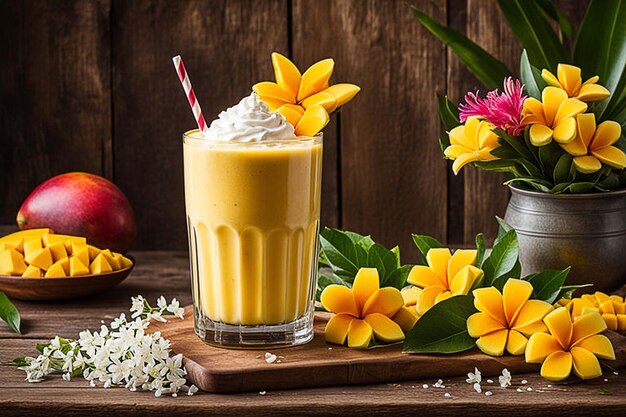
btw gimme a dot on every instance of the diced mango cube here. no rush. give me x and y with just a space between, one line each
12 262
100 265
76 246
31 245
58 251
32 272
65 263
82 254
126 263
56 271
114 261
77 267
93 252
41 258
17 245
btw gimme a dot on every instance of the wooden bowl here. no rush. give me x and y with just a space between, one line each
46 289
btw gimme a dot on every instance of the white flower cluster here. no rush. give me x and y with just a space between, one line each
475 379
122 354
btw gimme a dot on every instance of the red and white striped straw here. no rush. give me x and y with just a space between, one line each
191 96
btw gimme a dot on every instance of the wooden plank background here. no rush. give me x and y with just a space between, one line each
88 85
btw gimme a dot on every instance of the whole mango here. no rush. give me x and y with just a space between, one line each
81 204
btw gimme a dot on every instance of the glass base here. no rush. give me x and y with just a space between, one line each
232 336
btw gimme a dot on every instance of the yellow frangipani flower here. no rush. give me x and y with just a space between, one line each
612 308
592 145
471 142
570 79
305 100
553 117
362 312
506 320
570 345
445 276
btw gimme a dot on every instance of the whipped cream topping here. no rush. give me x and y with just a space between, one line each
249 121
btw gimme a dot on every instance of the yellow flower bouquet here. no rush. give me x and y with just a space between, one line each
559 127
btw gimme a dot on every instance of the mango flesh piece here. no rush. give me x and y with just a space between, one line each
32 272
313 120
77 247
77 267
65 263
82 255
12 262
386 301
291 112
100 265
271 91
287 75
32 245
337 329
324 99
406 318
359 334
17 245
41 258
126 263
12 237
58 251
56 271
384 328
315 78
343 93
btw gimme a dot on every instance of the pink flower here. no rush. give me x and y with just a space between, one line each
504 111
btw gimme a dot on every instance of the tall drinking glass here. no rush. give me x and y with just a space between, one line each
253 214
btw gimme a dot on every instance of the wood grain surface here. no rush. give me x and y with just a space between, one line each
89 85
165 273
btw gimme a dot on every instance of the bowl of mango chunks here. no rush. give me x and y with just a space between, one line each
38 264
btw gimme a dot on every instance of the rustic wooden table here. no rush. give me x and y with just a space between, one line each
165 273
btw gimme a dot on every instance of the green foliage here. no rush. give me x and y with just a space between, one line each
9 313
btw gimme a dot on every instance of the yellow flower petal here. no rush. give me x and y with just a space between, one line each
576 147
465 279
384 328
540 135
437 259
343 92
463 160
493 343
559 324
359 334
365 284
592 92
534 107
486 137
489 300
457 137
480 324
460 259
410 295
454 151
587 325
610 320
585 364
427 299
540 346
516 343
549 78
443 296
586 127
552 98
565 131
324 99
313 120
533 311
386 300
607 133
587 164
406 318
569 108
570 78
424 277
287 75
532 328
339 300
315 78
592 80
611 156
515 293
472 127
557 366
337 328
599 345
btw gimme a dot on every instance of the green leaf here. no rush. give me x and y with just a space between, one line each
448 113
480 249
563 168
323 281
567 291
489 70
547 284
384 260
531 77
557 15
534 33
503 228
341 252
502 258
424 244
363 241
600 48
536 183
443 328
397 278
9 313
499 165
18 362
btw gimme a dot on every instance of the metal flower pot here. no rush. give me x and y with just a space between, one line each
584 231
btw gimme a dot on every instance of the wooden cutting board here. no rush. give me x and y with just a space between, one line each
318 364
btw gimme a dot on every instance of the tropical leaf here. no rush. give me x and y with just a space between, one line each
489 70
534 33
531 77
557 15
